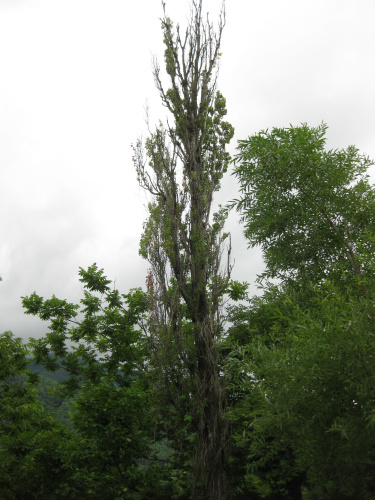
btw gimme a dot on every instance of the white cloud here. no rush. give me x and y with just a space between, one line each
74 78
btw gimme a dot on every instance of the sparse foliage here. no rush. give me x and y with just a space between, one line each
181 165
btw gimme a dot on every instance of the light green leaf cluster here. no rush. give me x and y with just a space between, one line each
309 209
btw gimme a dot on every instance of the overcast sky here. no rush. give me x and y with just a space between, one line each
75 76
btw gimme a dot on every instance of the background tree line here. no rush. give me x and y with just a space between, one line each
176 394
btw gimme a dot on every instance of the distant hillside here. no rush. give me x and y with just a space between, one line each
48 393
59 375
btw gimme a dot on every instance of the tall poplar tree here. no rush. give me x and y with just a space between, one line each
181 165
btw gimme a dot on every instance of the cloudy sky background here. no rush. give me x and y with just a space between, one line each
75 76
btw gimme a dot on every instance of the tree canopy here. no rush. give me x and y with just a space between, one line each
311 210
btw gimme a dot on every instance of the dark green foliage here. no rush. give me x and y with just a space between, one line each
311 391
30 463
101 349
110 425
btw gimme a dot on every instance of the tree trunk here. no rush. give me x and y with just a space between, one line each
211 456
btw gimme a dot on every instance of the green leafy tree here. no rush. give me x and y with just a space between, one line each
181 166
306 411
263 458
102 339
307 343
100 346
110 424
312 211
31 461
